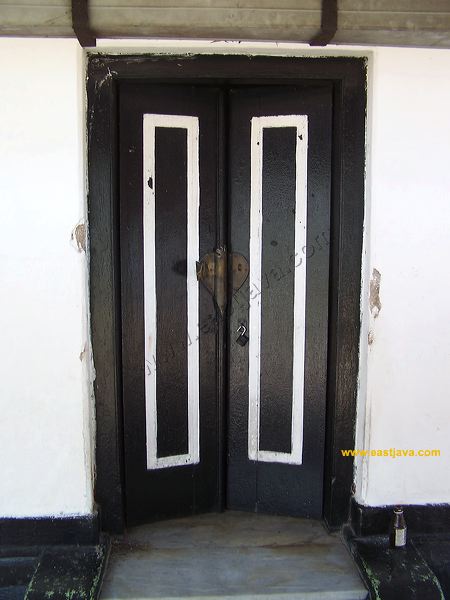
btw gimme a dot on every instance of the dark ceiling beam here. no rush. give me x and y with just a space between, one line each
80 23
329 24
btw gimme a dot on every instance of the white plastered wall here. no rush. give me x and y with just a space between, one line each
46 430
46 424
405 374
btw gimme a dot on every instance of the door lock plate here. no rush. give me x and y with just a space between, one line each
212 271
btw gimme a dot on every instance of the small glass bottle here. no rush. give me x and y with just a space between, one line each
397 535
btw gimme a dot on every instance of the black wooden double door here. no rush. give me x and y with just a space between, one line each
224 406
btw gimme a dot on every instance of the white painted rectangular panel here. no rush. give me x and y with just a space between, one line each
300 122
191 124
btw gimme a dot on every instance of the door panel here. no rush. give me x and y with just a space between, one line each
279 194
168 187
275 199
171 240
179 451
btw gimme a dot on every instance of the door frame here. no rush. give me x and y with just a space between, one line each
348 76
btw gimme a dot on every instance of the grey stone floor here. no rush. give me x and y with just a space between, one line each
229 556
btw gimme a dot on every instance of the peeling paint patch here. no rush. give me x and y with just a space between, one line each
78 237
83 353
374 294
370 338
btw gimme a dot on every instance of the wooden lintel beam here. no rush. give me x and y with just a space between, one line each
80 23
329 24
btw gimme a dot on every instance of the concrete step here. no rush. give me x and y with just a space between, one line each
232 556
52 572
16 570
13 592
